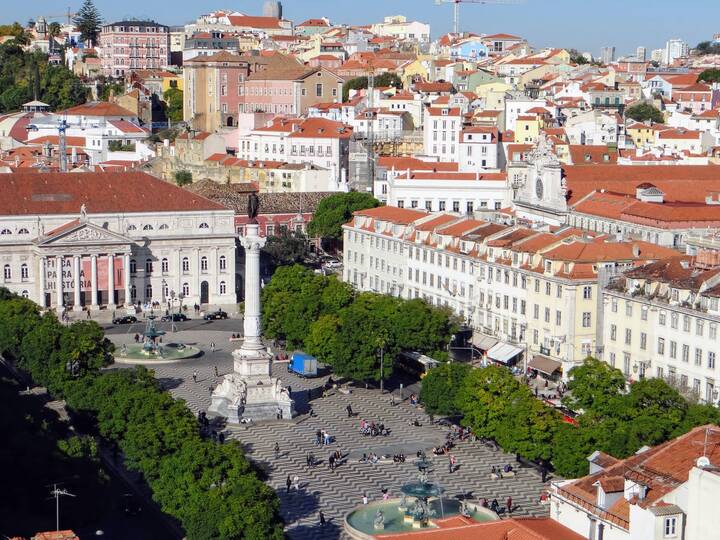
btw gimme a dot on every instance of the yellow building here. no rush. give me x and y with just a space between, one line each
172 80
494 95
527 129
415 69
642 135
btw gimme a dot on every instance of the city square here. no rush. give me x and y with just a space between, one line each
337 492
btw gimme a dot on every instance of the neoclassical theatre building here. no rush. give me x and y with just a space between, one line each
92 240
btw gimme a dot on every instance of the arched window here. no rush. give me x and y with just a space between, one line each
203 264
147 228
24 271
185 289
5 231
132 228
148 292
223 288
204 225
133 292
7 273
23 231
186 264
166 291
25 294
223 262
148 266
133 266
164 227
164 266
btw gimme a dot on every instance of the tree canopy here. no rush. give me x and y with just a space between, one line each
25 75
201 483
361 83
707 47
183 178
88 21
286 247
440 387
336 210
709 76
642 112
174 104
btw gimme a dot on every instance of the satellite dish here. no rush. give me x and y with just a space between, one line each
703 462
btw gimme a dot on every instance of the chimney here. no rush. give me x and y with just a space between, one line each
636 250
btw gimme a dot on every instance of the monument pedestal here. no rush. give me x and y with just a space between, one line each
251 392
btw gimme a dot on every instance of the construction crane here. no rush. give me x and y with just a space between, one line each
67 15
456 8
62 127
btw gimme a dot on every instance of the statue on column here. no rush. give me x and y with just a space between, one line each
83 213
253 206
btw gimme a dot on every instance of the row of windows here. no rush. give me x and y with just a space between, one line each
163 227
442 205
222 289
8 231
7 272
675 318
165 265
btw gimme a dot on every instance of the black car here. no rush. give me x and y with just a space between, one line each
175 317
127 319
215 315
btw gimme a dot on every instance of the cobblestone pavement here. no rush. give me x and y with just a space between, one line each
336 493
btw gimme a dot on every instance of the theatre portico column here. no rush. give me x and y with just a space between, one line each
60 303
111 281
93 283
126 280
42 299
77 306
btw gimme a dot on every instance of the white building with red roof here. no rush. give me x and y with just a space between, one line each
235 21
441 132
92 240
668 491
317 141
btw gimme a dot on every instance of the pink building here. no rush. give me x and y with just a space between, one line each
127 46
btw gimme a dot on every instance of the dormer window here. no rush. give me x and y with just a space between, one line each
444 112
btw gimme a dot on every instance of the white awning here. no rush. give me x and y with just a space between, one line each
483 342
503 352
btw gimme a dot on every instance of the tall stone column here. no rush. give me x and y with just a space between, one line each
41 298
60 303
253 243
126 272
111 281
93 283
77 306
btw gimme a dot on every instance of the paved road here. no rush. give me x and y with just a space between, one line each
336 493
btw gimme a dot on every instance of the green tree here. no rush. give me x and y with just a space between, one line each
576 57
287 247
54 29
707 47
174 101
88 21
183 178
336 210
109 86
643 112
593 386
361 83
321 341
440 388
709 76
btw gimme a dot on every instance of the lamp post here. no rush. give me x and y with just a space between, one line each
381 342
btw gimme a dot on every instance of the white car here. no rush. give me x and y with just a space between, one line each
333 264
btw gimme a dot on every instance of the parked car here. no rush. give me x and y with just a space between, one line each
215 315
175 317
333 264
127 319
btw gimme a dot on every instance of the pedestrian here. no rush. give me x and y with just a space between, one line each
451 464
349 411
318 437
216 372
364 499
392 400
288 483
543 473
385 494
278 413
277 450
221 438
309 460
296 482
88 313
322 519
195 376
508 505
212 346
331 462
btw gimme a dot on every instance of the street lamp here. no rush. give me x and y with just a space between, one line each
381 342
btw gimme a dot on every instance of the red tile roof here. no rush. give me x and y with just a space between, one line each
401 216
254 22
64 193
99 108
415 164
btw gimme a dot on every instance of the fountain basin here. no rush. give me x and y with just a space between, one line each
359 523
137 354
